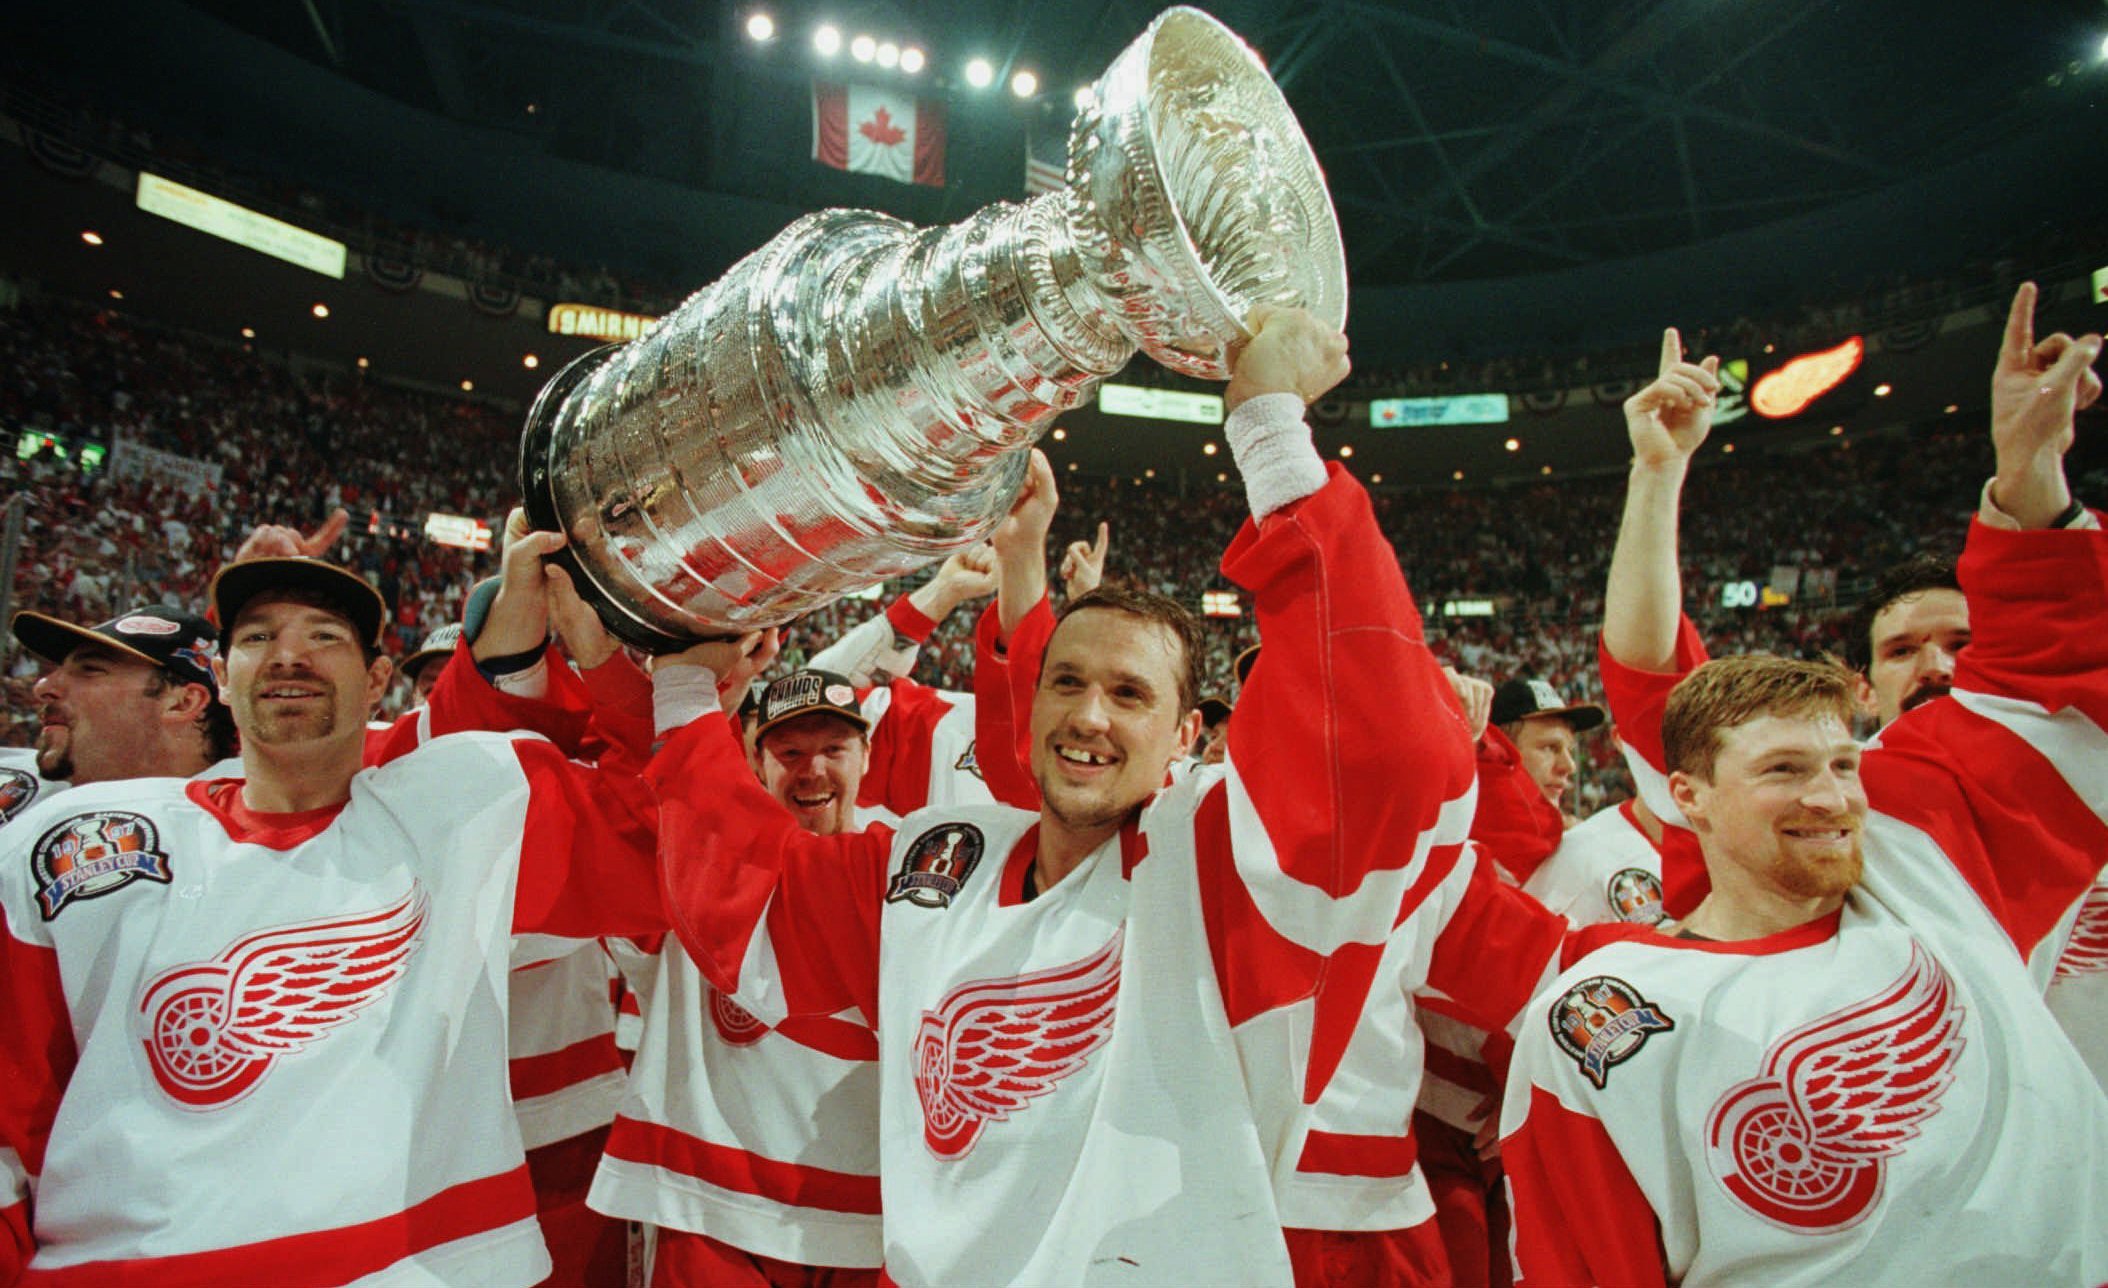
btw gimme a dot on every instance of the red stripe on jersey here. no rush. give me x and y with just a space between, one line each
1340 1154
1458 1071
1578 1215
539 1075
791 1184
321 1257
898 776
1258 968
2007 819
36 1050
562 1171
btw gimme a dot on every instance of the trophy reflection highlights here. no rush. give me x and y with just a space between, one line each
855 399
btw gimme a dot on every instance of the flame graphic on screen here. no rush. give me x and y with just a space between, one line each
1788 390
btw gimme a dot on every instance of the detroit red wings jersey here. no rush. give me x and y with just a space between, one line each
21 783
1109 1074
2078 986
1840 1081
563 1066
1605 869
240 1043
1473 947
922 749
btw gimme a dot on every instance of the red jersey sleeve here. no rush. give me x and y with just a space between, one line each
463 700
36 1062
782 920
2010 773
1494 951
899 774
1637 701
1349 767
621 732
589 850
1576 1214
1515 824
1005 675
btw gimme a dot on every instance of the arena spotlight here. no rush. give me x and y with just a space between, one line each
90 236
116 294
468 386
1072 465
1222 478
1024 84
1883 391
1951 408
530 362
760 28
888 55
863 48
1837 431
1209 449
1513 444
320 310
248 333
1060 434
979 73
1458 475
1725 447
1376 478
1346 451
363 363
1546 469
827 40
912 60
1148 474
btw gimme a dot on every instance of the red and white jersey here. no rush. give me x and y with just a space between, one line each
202 1002
1110 1074
1883 1086
563 1066
762 1138
1605 869
2068 963
22 784
1473 947
922 750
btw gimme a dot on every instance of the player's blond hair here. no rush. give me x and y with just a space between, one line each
1732 691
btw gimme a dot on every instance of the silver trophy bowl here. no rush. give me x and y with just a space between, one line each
855 399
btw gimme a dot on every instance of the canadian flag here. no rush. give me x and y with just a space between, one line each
878 131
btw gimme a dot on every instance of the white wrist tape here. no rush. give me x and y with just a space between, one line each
532 683
1274 453
680 695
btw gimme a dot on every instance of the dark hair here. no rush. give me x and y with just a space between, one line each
1898 582
215 724
1152 607
1732 691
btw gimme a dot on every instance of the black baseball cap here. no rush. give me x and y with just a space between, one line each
1244 664
438 645
183 643
1527 699
354 596
750 705
1213 710
803 693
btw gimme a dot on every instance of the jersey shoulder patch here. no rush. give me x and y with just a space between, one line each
1601 1022
94 853
936 865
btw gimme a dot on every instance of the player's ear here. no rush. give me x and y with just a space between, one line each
378 673
1863 695
1188 734
1690 794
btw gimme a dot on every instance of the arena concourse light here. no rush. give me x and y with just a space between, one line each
1208 449
1951 408
912 60
116 294
1883 391
1149 474
1725 447
468 386
1376 478
1060 434
761 28
1024 84
1546 469
248 333
1837 431
980 73
1458 475
90 236
1513 444
363 363
530 362
888 55
863 48
1346 450
320 310
827 40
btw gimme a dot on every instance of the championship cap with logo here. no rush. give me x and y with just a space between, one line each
436 647
1525 699
181 642
354 596
802 693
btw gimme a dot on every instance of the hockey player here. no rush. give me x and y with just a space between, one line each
1098 1025
256 1026
1870 1075
754 1148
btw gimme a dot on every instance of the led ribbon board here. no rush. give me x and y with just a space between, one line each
597 323
240 225
1459 409
1160 404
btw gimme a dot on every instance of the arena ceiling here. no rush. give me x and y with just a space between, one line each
1464 139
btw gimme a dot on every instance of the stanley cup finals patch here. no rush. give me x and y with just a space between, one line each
1603 1022
91 855
937 865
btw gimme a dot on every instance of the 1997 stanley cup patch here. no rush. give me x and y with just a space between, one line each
937 865
91 855
1603 1022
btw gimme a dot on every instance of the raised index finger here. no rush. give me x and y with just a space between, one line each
1672 350
2020 327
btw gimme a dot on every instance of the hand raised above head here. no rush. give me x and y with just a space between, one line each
1290 352
1669 419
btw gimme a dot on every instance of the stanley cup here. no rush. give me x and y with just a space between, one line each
856 398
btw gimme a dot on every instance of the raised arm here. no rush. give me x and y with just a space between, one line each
1667 422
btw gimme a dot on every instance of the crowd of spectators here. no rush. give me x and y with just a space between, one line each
290 446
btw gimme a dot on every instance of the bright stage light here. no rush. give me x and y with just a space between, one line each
912 60
827 40
761 28
980 74
888 55
863 49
